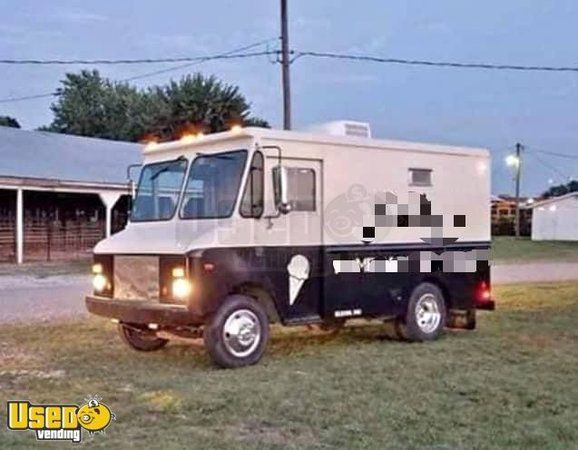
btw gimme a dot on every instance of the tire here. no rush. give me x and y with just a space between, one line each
238 332
426 315
142 341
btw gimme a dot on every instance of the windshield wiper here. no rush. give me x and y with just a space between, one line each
159 173
165 169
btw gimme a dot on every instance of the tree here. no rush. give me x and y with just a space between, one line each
198 103
7 121
562 189
90 105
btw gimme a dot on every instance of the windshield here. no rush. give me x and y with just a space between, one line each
158 190
213 185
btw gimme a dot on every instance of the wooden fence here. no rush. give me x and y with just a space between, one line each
7 241
49 240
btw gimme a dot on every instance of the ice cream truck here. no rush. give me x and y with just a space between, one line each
233 231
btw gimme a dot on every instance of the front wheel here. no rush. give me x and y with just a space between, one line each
238 332
425 318
141 340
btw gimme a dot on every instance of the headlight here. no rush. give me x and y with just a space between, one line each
99 282
181 288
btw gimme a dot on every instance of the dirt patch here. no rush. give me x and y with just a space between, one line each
15 357
33 373
536 340
260 432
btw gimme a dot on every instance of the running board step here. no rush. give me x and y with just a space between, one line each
305 320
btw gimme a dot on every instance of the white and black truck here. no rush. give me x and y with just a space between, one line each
233 231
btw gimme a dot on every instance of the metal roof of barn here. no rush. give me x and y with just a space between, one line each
553 199
53 156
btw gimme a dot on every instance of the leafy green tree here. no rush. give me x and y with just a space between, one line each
7 121
198 102
562 189
91 105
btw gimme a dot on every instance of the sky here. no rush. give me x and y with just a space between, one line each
488 109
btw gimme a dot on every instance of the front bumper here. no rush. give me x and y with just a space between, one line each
141 312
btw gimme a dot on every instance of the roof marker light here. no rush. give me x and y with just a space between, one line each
187 138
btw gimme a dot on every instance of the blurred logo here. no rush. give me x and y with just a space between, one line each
60 422
344 214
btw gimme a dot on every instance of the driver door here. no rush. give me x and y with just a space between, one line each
292 242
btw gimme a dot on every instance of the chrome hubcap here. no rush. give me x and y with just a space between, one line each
242 333
428 313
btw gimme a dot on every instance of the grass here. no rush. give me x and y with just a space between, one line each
508 250
48 269
511 384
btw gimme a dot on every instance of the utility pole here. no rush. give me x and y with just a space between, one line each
285 62
519 148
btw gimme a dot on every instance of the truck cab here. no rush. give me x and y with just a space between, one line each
234 231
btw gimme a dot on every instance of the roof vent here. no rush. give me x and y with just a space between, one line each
343 128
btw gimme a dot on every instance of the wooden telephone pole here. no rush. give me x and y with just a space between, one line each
519 148
285 63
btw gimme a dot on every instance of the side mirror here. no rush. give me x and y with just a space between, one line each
281 186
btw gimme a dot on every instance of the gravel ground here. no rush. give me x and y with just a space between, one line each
26 297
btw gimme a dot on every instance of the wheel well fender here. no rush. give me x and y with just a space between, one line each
262 295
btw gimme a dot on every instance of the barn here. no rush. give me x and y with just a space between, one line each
60 194
556 219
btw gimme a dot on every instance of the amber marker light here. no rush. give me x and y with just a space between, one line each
188 138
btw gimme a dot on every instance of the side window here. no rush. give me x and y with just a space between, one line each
420 177
301 188
252 202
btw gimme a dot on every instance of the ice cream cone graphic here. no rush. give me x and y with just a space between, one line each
299 270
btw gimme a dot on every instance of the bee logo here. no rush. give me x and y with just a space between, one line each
94 416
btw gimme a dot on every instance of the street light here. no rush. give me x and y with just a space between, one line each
515 162
512 161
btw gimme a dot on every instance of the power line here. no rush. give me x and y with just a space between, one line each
27 97
94 62
227 55
418 62
560 155
185 66
565 176
297 54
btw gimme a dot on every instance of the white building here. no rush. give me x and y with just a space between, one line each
556 219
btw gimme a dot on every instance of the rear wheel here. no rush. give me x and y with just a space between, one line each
238 332
426 314
140 339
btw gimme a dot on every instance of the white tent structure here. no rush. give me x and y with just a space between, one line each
556 219
41 162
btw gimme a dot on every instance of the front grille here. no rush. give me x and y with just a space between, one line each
136 277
